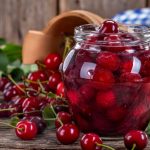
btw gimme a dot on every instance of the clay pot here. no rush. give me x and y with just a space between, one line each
37 44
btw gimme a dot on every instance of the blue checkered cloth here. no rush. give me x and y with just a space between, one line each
137 16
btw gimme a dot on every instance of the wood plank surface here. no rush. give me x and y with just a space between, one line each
18 16
47 140
148 3
105 8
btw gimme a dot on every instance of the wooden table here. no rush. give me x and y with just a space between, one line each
47 140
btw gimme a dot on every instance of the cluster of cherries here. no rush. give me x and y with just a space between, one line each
45 88
28 98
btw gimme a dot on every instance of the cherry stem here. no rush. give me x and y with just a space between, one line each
50 119
105 146
9 109
56 96
61 123
18 114
41 86
53 110
68 42
56 115
40 64
133 147
14 82
32 90
4 123
34 82
62 105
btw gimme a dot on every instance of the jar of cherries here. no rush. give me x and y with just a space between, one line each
107 78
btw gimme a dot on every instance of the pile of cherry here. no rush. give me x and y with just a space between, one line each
44 88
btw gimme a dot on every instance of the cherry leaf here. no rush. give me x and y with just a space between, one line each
49 115
14 121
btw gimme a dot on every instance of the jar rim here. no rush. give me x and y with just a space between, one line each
127 28
128 35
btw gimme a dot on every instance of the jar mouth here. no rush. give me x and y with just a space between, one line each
129 35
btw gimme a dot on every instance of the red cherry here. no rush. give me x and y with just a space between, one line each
16 109
137 138
54 79
89 141
3 82
113 43
59 108
126 66
145 59
103 75
104 78
109 26
82 56
40 123
52 61
87 92
64 117
60 89
116 113
35 76
18 100
8 86
113 39
67 134
9 94
26 130
108 60
22 86
130 77
106 100
31 102
43 101
139 110
73 97
31 106
31 111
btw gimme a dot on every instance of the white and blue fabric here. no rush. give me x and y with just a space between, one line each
136 16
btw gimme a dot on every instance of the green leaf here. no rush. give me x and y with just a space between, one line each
13 65
14 121
17 74
11 47
51 95
3 61
1 73
147 130
34 67
2 41
12 51
29 68
49 115
16 63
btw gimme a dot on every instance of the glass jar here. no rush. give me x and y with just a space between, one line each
106 77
